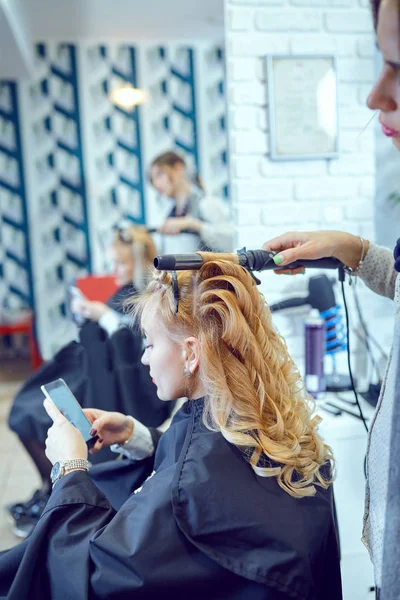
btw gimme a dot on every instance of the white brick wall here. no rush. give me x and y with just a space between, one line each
272 197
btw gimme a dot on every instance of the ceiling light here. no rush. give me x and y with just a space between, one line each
127 96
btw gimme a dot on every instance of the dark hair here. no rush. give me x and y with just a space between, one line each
171 159
375 4
375 9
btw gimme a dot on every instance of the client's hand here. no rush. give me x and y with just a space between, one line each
313 245
175 225
90 310
111 427
64 441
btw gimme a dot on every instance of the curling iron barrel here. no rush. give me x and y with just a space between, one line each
253 260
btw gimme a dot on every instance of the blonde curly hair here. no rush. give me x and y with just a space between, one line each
254 392
135 235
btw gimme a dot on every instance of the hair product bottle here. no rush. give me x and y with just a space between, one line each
315 352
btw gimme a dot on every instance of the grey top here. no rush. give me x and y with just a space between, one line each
379 274
217 227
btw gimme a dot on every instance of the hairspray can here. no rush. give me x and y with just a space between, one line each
315 351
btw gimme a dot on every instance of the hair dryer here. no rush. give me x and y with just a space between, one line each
320 296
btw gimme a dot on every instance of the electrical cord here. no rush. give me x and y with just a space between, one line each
346 310
368 336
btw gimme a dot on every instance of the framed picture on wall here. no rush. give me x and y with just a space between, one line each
303 107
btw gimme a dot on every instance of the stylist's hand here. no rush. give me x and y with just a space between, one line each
88 309
312 245
175 225
64 441
111 427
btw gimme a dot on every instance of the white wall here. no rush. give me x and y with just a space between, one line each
269 197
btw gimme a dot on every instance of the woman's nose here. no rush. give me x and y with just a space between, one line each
381 97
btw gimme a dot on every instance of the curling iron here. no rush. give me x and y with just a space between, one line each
252 260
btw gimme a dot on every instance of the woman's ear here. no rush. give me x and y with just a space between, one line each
177 171
192 354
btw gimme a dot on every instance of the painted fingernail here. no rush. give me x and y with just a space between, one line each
278 259
100 440
93 432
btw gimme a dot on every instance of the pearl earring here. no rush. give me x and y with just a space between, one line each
187 373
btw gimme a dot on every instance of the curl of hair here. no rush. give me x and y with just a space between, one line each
254 393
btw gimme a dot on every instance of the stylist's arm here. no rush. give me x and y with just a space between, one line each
64 441
311 245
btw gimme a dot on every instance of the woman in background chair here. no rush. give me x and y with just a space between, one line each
133 252
208 218
103 370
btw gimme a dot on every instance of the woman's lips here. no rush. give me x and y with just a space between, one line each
389 132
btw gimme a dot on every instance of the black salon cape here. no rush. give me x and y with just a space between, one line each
103 372
203 525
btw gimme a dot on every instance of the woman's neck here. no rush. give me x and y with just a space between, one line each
182 192
199 391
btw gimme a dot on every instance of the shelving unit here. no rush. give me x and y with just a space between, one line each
16 280
55 171
183 105
114 148
213 142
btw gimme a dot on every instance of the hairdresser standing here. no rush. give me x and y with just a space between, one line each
193 210
379 269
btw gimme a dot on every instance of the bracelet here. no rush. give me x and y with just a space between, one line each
62 467
351 271
133 430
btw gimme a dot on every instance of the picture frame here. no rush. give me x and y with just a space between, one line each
303 106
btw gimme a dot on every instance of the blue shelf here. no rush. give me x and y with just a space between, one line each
12 153
22 263
191 114
77 261
129 149
74 223
12 222
185 113
68 78
19 293
73 151
5 115
181 76
79 154
64 111
11 188
185 148
71 186
121 75
133 148
129 114
131 184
